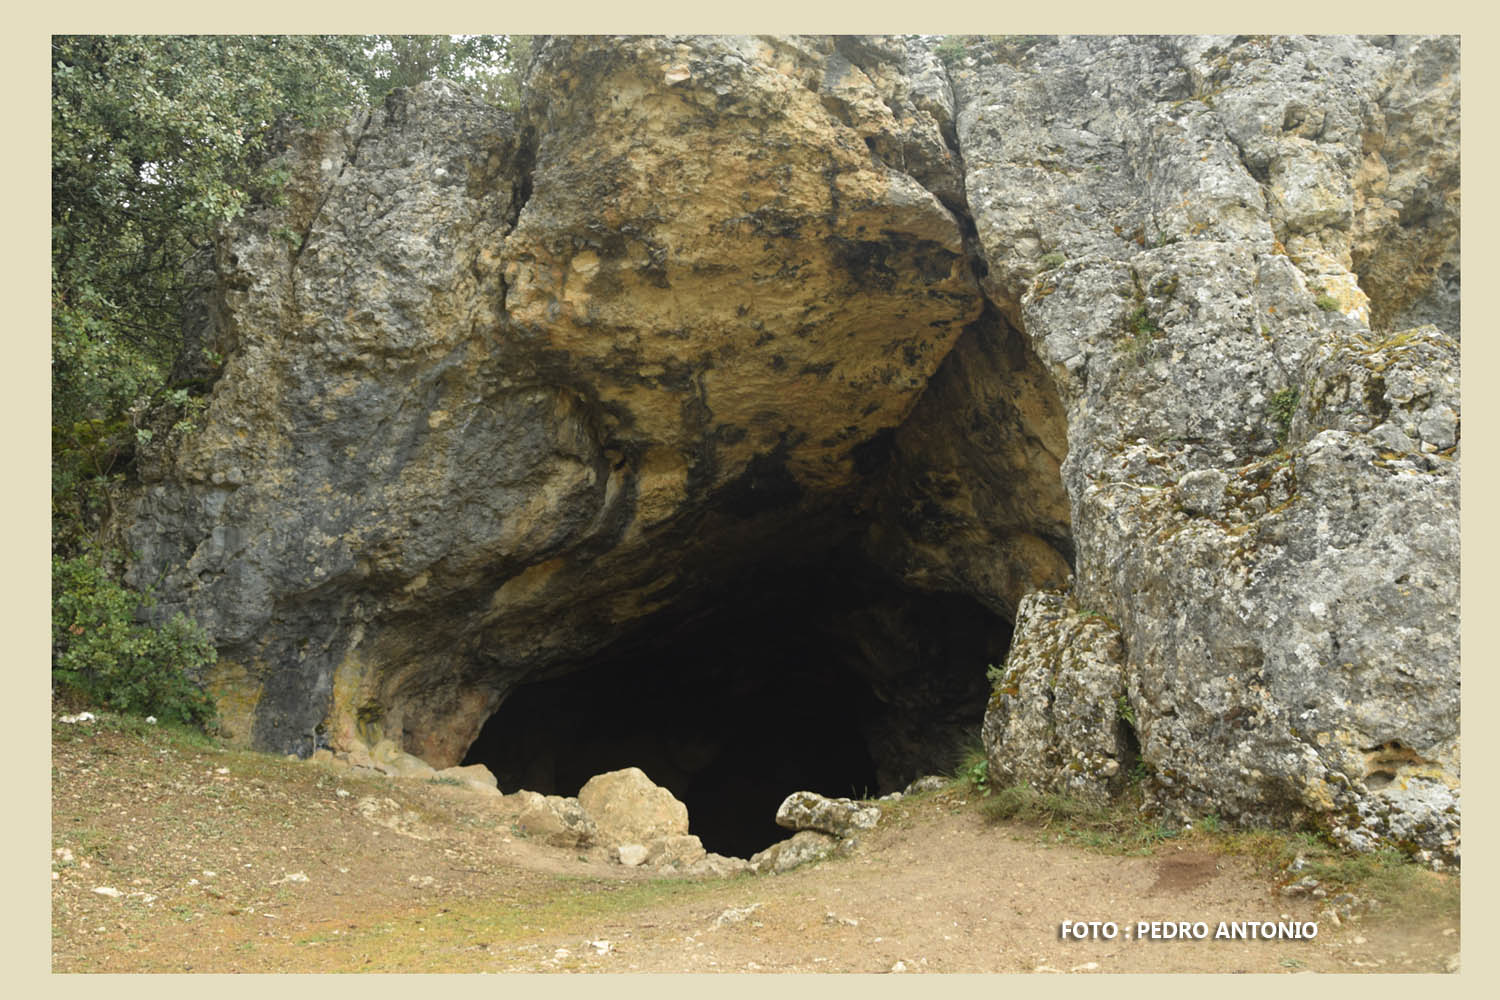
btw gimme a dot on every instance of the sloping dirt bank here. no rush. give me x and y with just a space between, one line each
220 860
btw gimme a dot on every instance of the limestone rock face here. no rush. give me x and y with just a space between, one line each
487 377
1249 437
1059 718
628 807
687 276
1148 346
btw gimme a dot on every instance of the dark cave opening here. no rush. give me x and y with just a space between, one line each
818 678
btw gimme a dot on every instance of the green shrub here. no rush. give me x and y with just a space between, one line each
971 771
1327 302
1140 323
1054 259
101 653
1283 407
951 49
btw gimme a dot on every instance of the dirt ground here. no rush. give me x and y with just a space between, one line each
219 860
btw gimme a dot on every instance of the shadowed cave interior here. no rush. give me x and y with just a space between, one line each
818 677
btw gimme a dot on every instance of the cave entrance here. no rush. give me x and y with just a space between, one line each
817 678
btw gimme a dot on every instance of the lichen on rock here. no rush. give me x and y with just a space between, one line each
1242 474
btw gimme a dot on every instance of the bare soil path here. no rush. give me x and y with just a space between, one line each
219 860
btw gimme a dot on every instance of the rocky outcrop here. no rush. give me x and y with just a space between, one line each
1059 717
1145 345
1242 499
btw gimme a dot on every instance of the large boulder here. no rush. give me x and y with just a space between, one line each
839 817
628 808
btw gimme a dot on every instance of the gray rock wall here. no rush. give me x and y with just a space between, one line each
1263 472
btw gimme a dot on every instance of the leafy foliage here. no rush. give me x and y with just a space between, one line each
951 49
973 768
100 652
156 142
488 64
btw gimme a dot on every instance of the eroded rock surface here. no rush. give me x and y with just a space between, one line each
1162 328
1176 224
499 391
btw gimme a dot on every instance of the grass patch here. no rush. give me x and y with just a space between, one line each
1113 829
971 769
1399 886
1386 876
176 735
460 936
